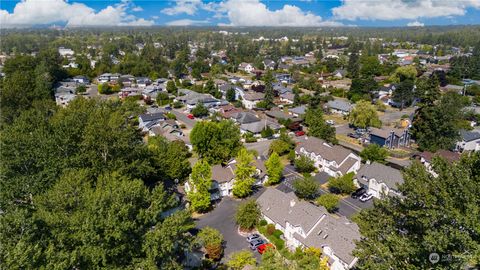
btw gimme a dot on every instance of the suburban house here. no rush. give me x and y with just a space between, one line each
151 91
426 158
288 98
65 52
470 140
143 82
257 127
306 225
149 120
339 106
228 111
64 94
81 79
298 111
192 98
339 73
269 64
168 128
250 99
245 118
108 77
379 180
335 160
390 138
247 67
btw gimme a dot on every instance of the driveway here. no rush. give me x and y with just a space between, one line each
182 117
222 218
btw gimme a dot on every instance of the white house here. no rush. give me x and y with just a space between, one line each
65 52
426 158
247 67
250 99
149 120
306 225
335 160
339 106
379 180
470 140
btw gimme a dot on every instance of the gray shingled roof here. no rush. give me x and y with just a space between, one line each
315 221
245 118
257 127
469 136
381 173
222 174
321 147
298 110
340 105
152 116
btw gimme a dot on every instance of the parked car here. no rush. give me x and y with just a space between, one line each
365 197
253 237
354 135
299 133
360 131
262 248
330 122
359 192
191 116
168 108
255 243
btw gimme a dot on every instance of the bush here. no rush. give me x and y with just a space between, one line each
280 147
267 132
248 214
374 152
263 222
304 164
343 184
177 105
270 229
200 110
277 234
163 99
170 115
329 201
306 188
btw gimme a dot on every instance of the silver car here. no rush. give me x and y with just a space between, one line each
255 243
253 237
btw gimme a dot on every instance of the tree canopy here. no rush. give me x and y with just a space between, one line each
364 115
435 214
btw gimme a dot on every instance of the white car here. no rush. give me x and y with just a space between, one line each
365 197
330 122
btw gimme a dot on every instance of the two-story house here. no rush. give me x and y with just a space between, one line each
379 180
306 225
335 160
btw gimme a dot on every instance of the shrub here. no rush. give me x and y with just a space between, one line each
263 222
304 164
277 233
343 184
270 229
329 201
248 214
200 110
280 147
306 188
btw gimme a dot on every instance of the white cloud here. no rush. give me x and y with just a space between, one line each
137 9
415 24
186 22
255 13
401 9
32 12
188 7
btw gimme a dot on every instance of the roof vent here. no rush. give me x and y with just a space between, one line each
325 236
319 232
292 203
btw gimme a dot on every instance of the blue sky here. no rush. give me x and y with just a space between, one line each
240 12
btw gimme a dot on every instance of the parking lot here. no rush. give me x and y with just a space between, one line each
222 218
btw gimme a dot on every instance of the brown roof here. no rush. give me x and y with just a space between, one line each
448 155
222 174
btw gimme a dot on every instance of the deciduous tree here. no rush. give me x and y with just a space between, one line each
364 115
248 215
274 169
244 172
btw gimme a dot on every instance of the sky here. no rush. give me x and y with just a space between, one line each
312 13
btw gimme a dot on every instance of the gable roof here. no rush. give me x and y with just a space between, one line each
320 228
381 173
245 118
469 136
339 105
298 110
152 116
222 174
257 127
320 147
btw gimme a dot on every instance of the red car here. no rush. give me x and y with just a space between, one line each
262 248
299 133
191 116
